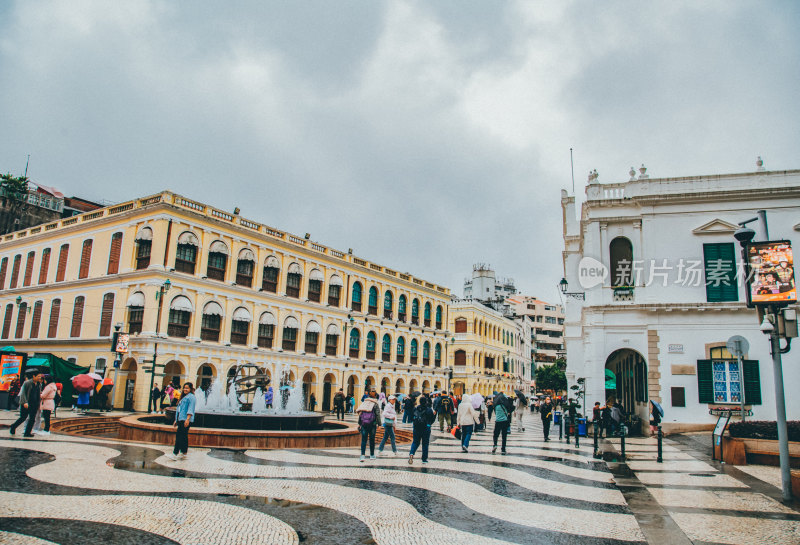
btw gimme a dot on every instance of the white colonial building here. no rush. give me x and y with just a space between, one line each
657 263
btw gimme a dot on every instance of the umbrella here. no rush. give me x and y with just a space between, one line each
108 381
83 383
477 400
416 394
658 407
95 376
521 396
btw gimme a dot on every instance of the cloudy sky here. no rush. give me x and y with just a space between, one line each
426 135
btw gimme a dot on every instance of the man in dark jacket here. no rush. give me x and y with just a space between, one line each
546 410
338 404
423 420
30 396
408 409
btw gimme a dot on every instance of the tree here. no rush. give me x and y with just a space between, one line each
14 190
551 377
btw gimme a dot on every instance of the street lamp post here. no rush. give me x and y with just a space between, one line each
564 287
164 288
116 364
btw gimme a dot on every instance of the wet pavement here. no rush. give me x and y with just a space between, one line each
65 489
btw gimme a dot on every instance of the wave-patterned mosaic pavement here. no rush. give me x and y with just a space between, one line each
66 490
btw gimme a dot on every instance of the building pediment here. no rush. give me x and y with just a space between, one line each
716 227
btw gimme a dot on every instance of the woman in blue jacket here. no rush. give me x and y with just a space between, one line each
184 416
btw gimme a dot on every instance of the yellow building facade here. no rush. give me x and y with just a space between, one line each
488 351
207 291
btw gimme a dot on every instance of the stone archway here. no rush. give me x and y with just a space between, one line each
127 387
398 386
328 388
626 381
175 373
426 386
206 374
413 386
352 386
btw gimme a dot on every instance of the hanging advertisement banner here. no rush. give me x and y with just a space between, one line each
12 366
770 279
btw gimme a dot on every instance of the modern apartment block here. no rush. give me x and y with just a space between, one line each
547 326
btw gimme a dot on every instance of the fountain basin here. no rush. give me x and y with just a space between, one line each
253 421
155 429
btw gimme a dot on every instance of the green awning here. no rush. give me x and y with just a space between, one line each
611 380
62 371
38 362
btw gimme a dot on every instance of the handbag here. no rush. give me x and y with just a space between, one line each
456 432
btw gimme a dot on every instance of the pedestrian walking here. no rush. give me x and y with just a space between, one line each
616 418
424 418
490 407
408 409
29 401
546 410
48 404
467 418
369 418
607 421
444 410
184 416
312 402
655 420
338 404
502 422
155 397
519 413
389 416
597 418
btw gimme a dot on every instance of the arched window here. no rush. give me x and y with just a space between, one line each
63 256
180 315
113 254
55 310
334 290
331 339
426 353
7 320
86 259
372 340
22 313
77 316
186 253
386 347
437 355
427 314
211 321
414 351
461 325
460 358
272 269
356 299
43 267
355 342
373 301
266 330
217 260
144 244
15 271
294 276
26 281
245 267
415 311
290 327
107 315
37 319
313 330
388 302
315 279
439 317
401 308
3 270
621 252
135 306
401 349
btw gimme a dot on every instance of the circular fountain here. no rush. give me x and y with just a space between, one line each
245 416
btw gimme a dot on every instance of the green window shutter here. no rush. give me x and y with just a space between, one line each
752 382
705 381
720 272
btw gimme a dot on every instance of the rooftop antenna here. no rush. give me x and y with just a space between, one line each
572 169
26 165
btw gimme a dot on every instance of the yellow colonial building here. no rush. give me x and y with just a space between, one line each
206 290
489 352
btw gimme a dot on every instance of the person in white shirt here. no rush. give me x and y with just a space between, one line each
466 419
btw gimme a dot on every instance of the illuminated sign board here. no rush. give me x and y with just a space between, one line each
11 366
771 273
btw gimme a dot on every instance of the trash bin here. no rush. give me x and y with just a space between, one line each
556 417
582 427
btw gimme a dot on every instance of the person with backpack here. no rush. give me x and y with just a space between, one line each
389 418
444 411
502 420
408 409
546 410
338 404
424 417
467 419
369 418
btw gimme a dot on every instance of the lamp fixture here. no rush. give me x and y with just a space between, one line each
563 286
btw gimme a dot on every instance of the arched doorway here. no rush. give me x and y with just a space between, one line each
308 385
626 381
205 376
369 384
398 386
328 385
385 385
426 387
413 386
174 373
129 380
437 385
352 384
458 388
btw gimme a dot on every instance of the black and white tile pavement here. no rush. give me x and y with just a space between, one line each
56 488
